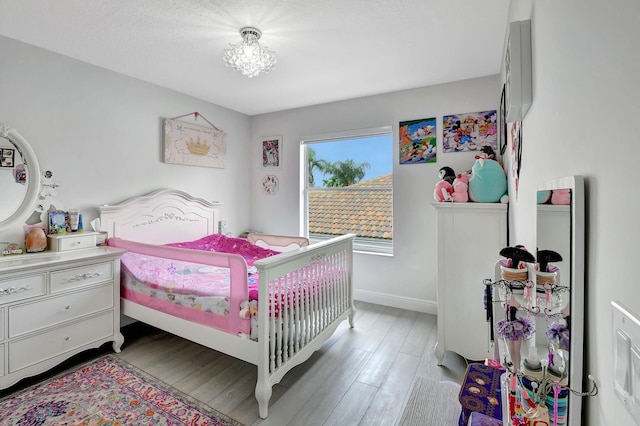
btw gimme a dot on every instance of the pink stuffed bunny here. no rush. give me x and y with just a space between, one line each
461 188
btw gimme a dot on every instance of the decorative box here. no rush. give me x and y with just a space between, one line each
74 241
481 392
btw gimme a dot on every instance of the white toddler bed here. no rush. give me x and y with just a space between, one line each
308 286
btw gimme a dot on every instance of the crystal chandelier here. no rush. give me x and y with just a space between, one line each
248 56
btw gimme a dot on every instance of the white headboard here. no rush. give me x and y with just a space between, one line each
160 217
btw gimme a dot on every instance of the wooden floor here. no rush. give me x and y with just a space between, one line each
361 376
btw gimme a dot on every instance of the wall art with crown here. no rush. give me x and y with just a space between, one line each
193 145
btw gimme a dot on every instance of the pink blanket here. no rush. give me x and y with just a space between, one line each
223 244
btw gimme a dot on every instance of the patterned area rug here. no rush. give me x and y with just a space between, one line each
106 391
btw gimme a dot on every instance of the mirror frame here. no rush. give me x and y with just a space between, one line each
576 271
27 207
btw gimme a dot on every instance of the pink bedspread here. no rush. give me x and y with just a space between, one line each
223 244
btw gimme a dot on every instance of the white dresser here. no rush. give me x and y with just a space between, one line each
54 305
470 237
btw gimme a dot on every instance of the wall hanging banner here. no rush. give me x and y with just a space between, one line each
193 145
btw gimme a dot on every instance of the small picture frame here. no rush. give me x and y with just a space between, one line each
57 222
271 152
6 160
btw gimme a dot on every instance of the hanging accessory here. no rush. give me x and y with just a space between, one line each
559 334
196 114
547 256
514 330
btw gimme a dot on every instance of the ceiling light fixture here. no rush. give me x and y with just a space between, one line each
248 56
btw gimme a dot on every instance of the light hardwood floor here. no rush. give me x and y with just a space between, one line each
360 376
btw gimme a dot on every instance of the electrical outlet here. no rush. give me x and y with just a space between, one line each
626 357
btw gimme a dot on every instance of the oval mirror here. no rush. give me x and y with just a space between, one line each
19 178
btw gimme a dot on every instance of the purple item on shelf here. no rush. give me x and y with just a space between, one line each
480 393
479 419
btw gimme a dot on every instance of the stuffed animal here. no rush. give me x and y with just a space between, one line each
488 152
461 188
244 310
561 196
253 311
544 196
488 182
444 187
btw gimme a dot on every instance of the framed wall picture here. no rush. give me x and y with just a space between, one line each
503 124
192 145
271 152
517 71
470 131
270 184
417 139
515 135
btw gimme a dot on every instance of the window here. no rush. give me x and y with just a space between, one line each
348 187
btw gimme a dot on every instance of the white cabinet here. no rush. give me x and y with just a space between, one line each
55 305
470 237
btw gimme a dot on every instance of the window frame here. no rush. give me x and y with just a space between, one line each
361 244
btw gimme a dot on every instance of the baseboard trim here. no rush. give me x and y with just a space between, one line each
385 299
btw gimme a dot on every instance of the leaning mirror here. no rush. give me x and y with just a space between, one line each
19 177
560 327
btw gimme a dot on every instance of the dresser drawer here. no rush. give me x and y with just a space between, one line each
32 350
2 360
1 323
72 241
34 316
22 288
84 275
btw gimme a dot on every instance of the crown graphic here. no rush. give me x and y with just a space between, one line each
197 147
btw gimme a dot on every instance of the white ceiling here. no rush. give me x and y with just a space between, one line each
327 50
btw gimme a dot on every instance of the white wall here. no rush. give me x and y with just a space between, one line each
408 278
101 133
585 102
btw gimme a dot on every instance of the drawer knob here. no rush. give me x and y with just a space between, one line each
85 276
66 308
13 290
66 339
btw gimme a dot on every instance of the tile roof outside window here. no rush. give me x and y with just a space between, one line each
364 208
